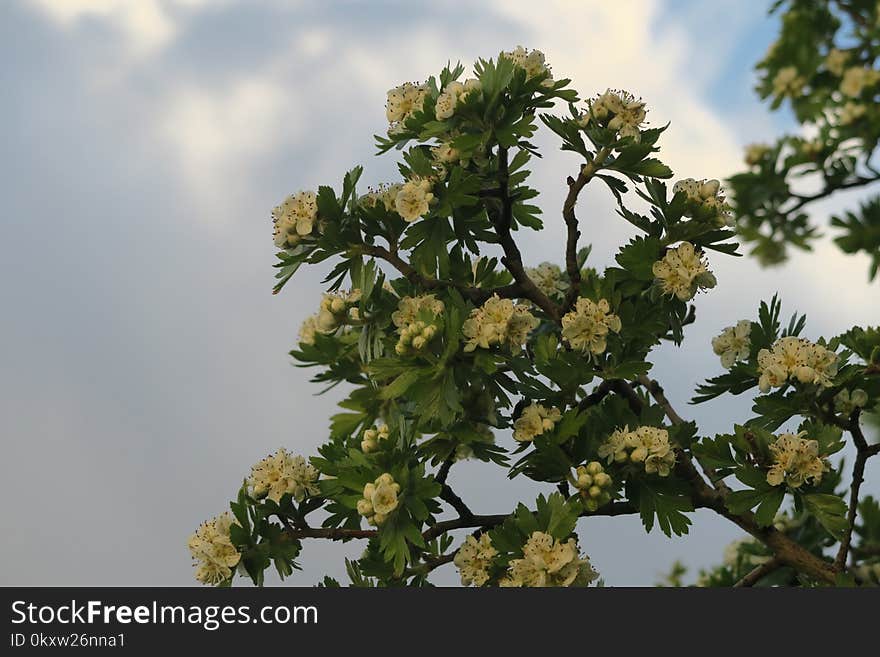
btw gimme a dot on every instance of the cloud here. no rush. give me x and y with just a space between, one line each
162 168
145 25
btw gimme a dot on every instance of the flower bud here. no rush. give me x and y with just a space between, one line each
364 507
859 397
594 467
369 489
385 478
584 481
594 492
418 342
337 306
602 480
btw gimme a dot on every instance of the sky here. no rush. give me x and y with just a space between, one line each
144 365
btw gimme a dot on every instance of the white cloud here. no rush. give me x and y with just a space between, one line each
217 130
145 24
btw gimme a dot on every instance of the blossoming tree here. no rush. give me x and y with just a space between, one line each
824 63
451 353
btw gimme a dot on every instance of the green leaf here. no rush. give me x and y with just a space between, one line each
400 385
766 512
638 257
829 510
667 502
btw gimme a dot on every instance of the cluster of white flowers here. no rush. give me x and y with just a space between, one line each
857 79
548 562
416 319
795 359
705 201
403 102
836 60
372 436
379 500
498 322
648 445
473 560
733 344
385 195
547 277
586 327
336 309
414 198
532 61
683 271
294 219
281 473
755 153
213 551
846 402
452 94
595 484
534 420
619 111
795 461
788 82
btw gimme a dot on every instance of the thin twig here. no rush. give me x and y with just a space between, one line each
440 528
760 572
476 294
863 453
512 258
575 185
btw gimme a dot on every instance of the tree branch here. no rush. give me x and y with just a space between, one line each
440 528
449 496
512 258
859 181
575 185
476 294
863 453
760 572
785 549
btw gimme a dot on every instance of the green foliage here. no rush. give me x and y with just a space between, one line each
771 199
446 342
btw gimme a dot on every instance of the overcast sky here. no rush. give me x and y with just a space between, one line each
144 367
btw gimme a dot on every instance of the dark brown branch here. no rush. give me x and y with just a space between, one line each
863 453
512 258
575 185
440 528
476 294
859 181
449 496
595 397
443 472
760 572
660 397
785 549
